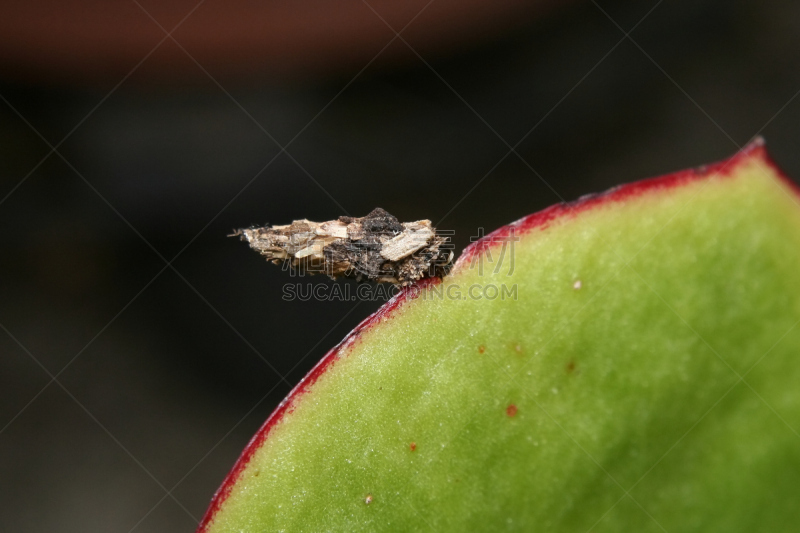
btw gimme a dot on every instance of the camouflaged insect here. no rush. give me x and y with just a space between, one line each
376 247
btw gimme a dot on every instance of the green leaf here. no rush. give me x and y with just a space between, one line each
641 374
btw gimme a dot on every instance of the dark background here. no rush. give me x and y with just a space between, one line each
162 373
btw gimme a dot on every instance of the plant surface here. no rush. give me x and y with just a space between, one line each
644 378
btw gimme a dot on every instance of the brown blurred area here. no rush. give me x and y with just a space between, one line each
93 41
170 343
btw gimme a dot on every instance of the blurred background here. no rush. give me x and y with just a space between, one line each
140 348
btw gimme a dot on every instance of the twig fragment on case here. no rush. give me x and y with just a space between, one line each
376 247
